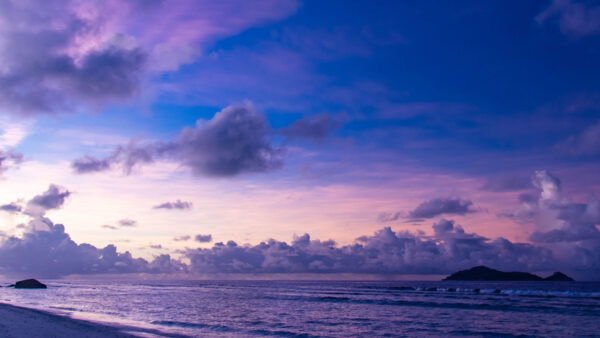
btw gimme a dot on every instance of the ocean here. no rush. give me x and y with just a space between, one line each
327 308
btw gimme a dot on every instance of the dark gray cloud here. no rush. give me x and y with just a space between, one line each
45 69
127 222
13 207
316 128
233 142
575 18
178 204
203 238
440 206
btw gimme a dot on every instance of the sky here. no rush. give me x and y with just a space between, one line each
288 137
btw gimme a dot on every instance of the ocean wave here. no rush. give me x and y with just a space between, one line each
220 328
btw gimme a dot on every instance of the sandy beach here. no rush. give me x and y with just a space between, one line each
16 321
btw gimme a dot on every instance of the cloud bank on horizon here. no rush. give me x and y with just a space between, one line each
46 249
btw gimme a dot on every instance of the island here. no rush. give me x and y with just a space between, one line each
483 273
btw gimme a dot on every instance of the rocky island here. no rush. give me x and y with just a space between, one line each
28 284
483 273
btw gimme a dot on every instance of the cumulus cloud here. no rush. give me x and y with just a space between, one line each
233 142
385 252
203 238
316 128
577 19
178 204
567 227
182 238
52 253
547 197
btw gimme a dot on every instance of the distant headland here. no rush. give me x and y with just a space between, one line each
483 273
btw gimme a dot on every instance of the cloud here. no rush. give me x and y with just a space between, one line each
203 238
568 228
440 206
182 238
46 250
576 19
9 159
52 253
126 222
507 183
587 143
566 239
53 198
384 252
389 217
12 134
233 142
178 204
45 67
548 196
155 246
548 186
12 208
316 128
60 55
88 164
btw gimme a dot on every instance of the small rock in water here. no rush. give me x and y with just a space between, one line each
29 284
497 291
476 290
431 289
451 290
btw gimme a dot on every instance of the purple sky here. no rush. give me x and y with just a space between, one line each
397 138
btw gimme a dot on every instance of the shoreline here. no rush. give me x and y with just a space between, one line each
17 321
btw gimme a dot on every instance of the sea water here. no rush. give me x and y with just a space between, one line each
327 308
